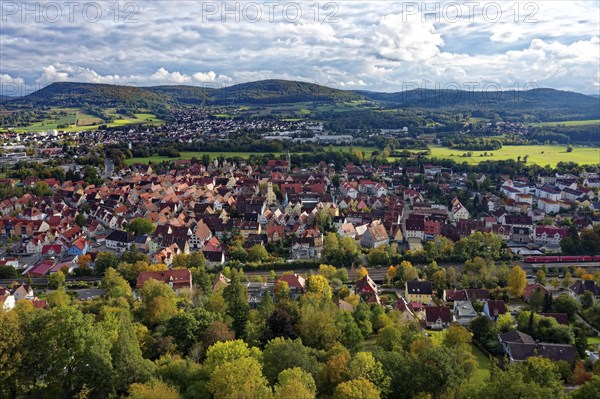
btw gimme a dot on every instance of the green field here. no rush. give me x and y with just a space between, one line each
593 342
568 123
48 124
88 122
482 372
539 154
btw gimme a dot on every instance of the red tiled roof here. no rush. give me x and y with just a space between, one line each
180 278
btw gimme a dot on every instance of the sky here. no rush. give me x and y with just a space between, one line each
368 45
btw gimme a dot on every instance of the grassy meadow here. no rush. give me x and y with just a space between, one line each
79 120
539 154
568 123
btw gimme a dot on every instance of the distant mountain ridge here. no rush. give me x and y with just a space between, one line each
72 94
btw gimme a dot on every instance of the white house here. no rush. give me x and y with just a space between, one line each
547 193
549 235
548 205
8 302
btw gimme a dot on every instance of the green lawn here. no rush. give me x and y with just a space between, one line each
568 123
593 342
482 371
436 336
539 154
483 367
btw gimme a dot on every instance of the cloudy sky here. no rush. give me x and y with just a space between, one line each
370 45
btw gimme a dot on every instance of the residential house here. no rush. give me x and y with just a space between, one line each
418 291
548 205
295 282
549 235
79 247
437 317
519 347
176 279
7 302
532 289
220 282
458 210
581 286
120 241
494 308
367 289
405 310
375 236
40 268
23 291
464 312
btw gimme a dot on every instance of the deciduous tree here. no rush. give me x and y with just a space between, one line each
517 281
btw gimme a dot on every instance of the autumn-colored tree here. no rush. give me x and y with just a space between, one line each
237 379
318 286
457 337
58 298
223 352
56 280
297 374
154 389
517 281
364 366
391 273
83 261
282 290
361 272
357 389
540 277
114 285
327 271
292 389
158 301
567 280
579 376
217 332
317 326
258 253
333 372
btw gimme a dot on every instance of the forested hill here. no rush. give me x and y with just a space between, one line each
553 104
548 103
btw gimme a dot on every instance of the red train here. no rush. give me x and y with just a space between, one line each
562 259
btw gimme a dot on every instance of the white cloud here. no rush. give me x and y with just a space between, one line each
6 79
351 83
405 38
370 45
205 77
